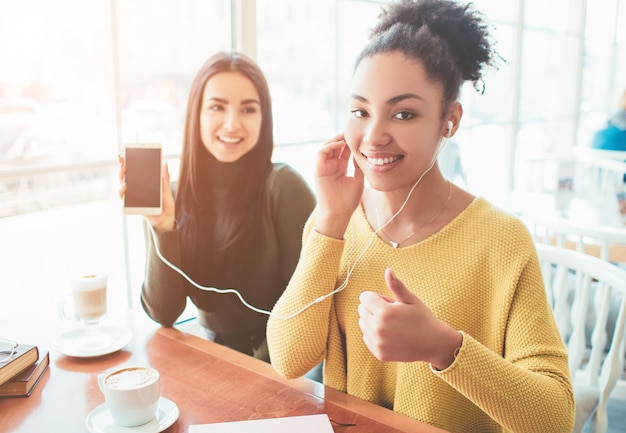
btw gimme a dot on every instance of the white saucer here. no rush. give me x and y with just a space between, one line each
100 420
69 343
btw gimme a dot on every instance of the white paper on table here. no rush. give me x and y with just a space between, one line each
319 423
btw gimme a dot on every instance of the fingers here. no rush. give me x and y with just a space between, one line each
373 301
398 289
165 176
166 186
338 137
333 149
122 172
373 316
121 175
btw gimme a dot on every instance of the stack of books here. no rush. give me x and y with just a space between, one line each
21 373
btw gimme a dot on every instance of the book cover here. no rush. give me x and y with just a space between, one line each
25 356
23 384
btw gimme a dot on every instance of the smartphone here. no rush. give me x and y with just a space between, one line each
143 179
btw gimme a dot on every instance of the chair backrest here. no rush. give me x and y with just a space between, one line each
590 152
608 243
585 175
597 174
588 297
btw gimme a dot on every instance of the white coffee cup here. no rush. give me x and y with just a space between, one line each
131 394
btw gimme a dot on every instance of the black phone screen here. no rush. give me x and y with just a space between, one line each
143 177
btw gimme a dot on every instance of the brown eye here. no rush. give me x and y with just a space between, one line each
404 115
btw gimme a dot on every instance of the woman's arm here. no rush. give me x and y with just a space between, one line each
292 204
532 378
297 344
162 294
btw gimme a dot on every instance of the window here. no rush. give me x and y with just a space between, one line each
78 79
307 49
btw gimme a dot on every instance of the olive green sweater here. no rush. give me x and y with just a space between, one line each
164 292
481 275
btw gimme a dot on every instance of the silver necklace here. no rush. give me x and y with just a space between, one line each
397 244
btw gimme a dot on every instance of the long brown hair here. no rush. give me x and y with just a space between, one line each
194 190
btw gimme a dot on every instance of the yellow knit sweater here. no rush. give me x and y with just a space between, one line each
480 274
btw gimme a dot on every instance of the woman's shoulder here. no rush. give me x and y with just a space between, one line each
286 182
484 216
483 208
283 175
486 230
283 170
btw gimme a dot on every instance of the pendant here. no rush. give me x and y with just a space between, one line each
394 244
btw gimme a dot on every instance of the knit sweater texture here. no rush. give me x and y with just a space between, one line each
164 292
480 274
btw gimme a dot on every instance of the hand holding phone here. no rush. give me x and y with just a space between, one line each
144 195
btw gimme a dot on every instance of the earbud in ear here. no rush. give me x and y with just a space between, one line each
450 126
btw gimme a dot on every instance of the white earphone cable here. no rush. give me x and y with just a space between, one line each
319 299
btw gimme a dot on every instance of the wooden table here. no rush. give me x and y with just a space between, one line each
208 382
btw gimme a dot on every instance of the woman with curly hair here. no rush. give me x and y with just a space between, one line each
417 295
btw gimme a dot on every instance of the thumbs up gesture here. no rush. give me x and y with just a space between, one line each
402 328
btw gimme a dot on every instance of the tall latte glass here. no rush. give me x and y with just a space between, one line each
87 303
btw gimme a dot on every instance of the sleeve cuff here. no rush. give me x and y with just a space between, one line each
458 353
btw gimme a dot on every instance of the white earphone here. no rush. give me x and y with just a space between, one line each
351 266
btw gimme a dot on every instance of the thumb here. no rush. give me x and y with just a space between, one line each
399 291
165 176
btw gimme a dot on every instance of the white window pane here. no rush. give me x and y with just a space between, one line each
498 10
356 20
296 50
496 103
600 21
548 75
58 93
55 102
159 57
56 61
621 18
484 155
556 15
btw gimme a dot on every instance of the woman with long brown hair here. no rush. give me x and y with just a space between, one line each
236 220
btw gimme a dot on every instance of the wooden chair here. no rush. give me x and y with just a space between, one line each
586 287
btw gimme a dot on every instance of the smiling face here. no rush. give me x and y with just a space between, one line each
395 123
230 116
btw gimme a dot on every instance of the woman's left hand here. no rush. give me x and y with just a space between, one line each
404 329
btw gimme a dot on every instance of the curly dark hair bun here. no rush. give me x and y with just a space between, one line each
451 40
